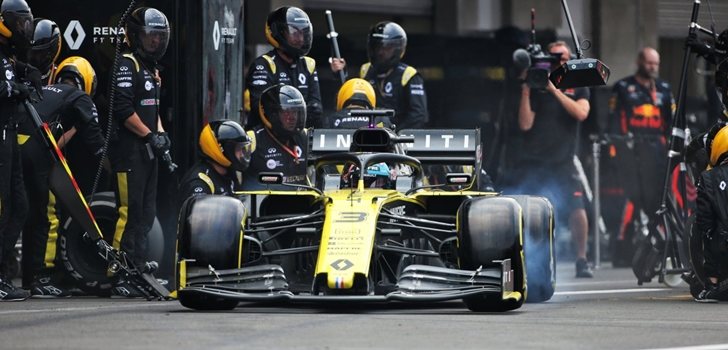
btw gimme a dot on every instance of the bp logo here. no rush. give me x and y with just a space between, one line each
9 74
74 27
148 86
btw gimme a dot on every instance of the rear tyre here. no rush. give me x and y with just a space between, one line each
79 254
538 238
490 230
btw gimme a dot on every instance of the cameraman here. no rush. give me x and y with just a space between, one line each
548 119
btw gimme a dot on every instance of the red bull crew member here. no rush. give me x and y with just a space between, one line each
642 107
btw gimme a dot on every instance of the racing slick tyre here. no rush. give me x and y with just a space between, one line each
695 251
538 238
490 231
210 234
205 302
80 256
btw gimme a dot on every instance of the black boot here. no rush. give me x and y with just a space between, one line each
709 294
583 270
8 292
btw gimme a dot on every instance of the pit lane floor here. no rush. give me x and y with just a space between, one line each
607 312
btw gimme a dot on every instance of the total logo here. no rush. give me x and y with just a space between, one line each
75 34
224 35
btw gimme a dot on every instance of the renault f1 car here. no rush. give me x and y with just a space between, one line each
342 241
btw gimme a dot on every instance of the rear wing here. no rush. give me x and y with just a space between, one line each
444 146
430 146
328 141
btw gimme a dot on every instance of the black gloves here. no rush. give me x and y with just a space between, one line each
32 75
159 141
20 91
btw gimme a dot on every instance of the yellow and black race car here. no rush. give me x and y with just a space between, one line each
373 227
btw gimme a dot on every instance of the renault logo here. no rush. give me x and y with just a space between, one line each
216 35
74 26
342 264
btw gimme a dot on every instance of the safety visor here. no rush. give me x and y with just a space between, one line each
21 25
384 48
154 40
292 117
240 150
42 55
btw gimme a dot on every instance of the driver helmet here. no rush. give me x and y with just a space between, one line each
227 144
376 176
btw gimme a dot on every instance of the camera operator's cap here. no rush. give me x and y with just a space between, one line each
79 70
356 91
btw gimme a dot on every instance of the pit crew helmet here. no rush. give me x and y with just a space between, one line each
79 70
289 29
356 92
226 143
46 45
386 44
147 32
719 147
16 23
282 110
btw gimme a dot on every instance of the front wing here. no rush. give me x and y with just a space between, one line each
417 283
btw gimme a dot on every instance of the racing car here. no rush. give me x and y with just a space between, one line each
340 240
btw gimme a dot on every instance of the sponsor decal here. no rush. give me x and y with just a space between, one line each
118 78
9 75
271 164
342 264
388 87
123 68
74 41
149 102
198 190
148 86
259 67
259 82
301 78
124 84
271 150
223 35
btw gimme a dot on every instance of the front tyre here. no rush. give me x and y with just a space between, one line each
490 230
